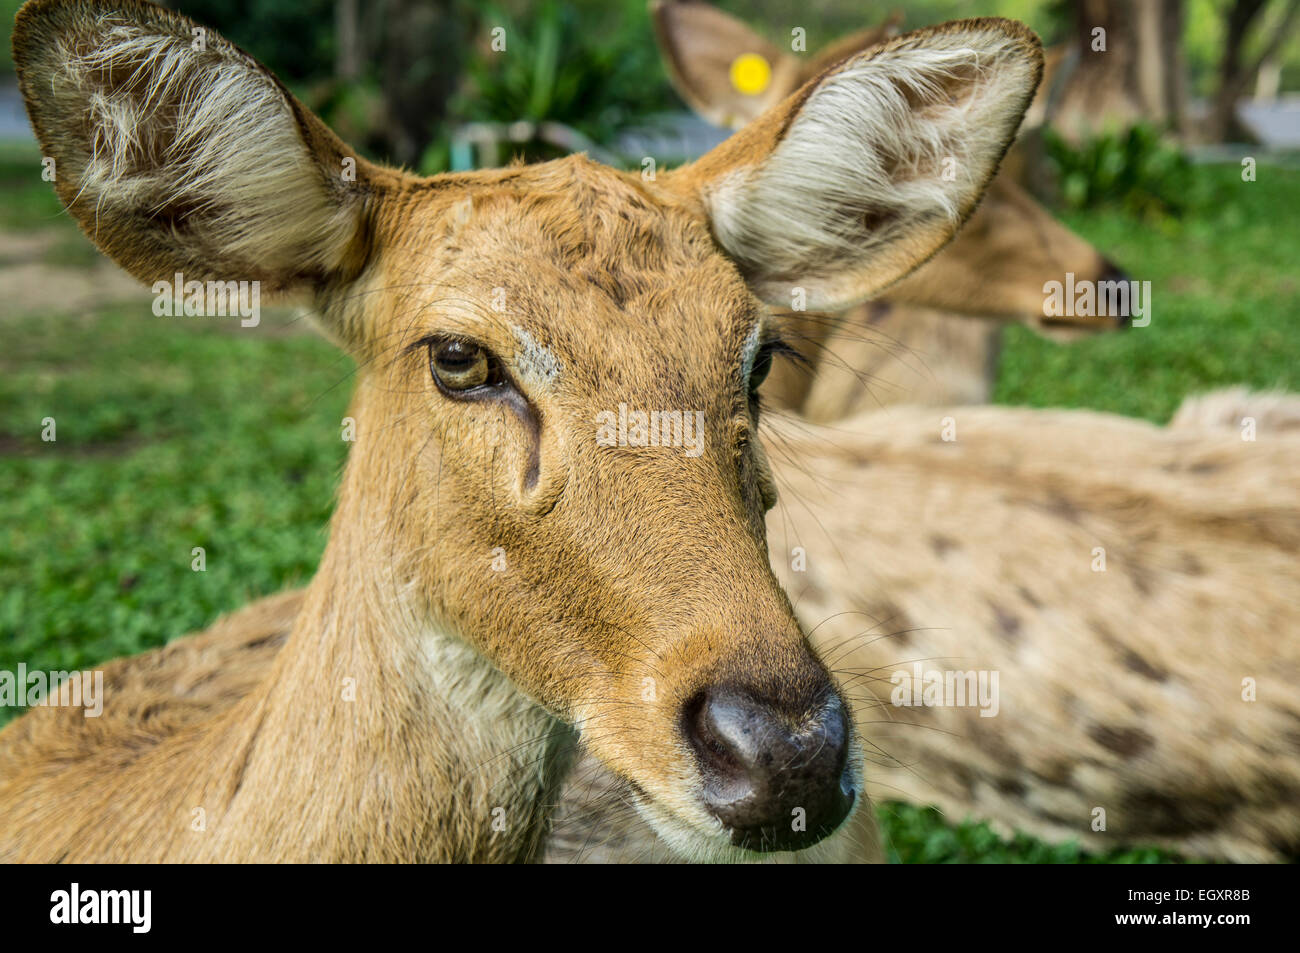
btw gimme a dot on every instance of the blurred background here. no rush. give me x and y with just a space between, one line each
176 433
402 79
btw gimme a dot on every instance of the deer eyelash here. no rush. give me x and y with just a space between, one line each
779 347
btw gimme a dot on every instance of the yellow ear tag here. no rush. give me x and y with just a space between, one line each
750 74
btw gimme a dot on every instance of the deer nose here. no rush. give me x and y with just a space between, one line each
1113 272
775 783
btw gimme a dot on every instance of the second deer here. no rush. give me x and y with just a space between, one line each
934 337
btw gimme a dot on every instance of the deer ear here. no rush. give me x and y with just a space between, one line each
177 152
726 72
867 171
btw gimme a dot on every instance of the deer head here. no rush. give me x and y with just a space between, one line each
514 330
997 264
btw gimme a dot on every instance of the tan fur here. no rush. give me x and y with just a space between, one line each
1121 689
902 348
1265 415
1109 697
901 355
420 707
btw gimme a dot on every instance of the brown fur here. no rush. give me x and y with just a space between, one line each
420 706
1120 690
1104 704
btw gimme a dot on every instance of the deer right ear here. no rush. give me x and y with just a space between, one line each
867 171
726 72
177 152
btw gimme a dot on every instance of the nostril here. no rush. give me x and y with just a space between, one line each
1112 272
776 782
719 731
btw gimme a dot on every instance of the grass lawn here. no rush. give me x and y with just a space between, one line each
181 433
1225 286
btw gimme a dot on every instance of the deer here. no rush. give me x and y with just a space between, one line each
499 579
1019 774
1135 589
934 337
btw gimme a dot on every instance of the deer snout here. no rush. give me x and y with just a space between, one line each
775 783
1113 272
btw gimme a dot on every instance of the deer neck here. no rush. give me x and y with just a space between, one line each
388 738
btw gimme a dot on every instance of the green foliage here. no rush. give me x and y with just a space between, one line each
355 110
8 10
296 40
1135 169
1204 32
28 202
171 433
560 66
1224 297
921 835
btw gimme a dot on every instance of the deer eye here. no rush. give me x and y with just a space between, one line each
763 361
459 365
762 367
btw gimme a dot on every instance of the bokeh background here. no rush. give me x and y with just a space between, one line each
176 433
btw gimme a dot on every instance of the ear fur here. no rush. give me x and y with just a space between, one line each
869 169
178 152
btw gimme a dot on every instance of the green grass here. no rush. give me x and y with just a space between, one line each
170 435
28 202
1226 305
919 835
177 433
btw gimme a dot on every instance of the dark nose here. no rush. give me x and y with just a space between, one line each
776 783
1113 272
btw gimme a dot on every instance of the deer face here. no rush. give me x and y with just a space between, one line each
555 457
998 263
623 583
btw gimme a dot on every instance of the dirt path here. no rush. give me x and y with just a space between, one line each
33 282
54 271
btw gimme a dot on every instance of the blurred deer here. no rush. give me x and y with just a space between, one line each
932 338
503 572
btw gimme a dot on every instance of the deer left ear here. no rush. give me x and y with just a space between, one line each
867 171
177 152
702 48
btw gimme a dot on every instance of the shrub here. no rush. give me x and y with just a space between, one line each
1134 169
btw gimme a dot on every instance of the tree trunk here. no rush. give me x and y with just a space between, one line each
1236 74
421 54
347 64
1124 66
